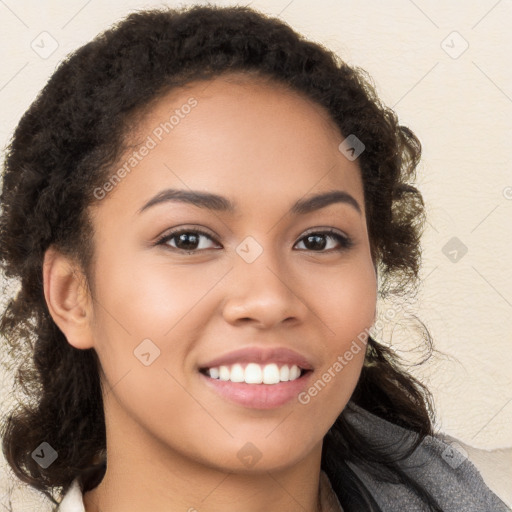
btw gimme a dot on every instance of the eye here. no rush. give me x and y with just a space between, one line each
187 240
317 243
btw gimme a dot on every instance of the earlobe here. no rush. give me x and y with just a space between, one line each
67 298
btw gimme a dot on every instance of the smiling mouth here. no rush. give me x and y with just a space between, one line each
253 373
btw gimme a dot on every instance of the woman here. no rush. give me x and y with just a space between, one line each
202 208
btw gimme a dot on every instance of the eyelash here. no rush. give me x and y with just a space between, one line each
345 242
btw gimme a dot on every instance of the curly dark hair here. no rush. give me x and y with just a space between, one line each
66 145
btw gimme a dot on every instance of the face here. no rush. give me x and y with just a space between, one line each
179 287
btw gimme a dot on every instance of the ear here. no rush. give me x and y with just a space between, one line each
68 298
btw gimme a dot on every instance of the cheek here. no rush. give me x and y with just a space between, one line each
150 306
348 301
148 316
348 311
148 296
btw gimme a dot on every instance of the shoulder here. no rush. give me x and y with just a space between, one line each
437 465
494 466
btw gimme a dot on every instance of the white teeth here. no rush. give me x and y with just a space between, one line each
271 374
224 373
256 374
253 374
294 372
237 373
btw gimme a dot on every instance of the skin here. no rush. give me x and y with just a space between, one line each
172 442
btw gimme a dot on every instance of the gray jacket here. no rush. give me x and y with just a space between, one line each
445 472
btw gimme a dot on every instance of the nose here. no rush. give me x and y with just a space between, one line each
264 293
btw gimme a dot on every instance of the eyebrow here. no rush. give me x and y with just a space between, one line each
219 203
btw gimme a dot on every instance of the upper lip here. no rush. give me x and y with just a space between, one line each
279 355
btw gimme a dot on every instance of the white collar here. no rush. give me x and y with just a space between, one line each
73 500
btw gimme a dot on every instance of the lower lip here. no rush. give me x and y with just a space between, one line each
258 396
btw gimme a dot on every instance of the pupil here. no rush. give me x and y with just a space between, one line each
319 239
183 238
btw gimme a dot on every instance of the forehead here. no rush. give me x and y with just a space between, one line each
243 98
245 137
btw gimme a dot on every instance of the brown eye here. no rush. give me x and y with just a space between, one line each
187 240
316 241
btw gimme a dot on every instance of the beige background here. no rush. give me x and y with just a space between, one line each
458 101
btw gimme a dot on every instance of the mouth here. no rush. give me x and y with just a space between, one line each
256 386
